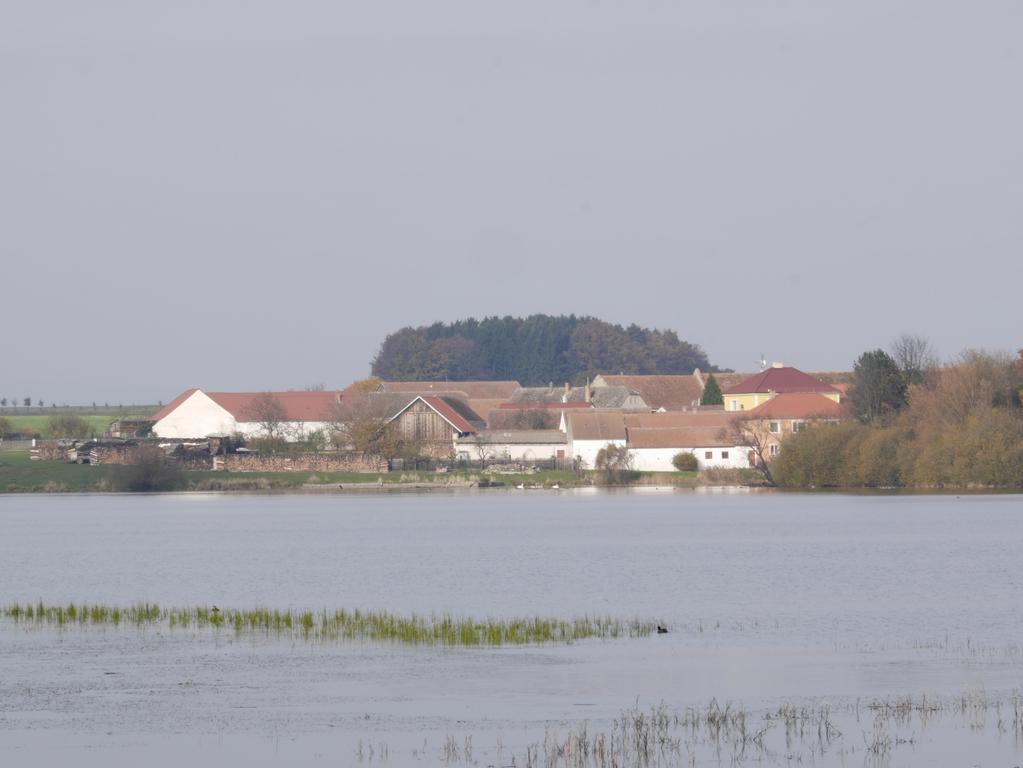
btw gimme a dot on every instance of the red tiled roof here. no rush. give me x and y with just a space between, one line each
779 380
173 404
798 405
297 406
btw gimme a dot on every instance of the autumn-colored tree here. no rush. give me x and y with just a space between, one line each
613 461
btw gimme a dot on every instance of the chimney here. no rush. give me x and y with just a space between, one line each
777 365
586 391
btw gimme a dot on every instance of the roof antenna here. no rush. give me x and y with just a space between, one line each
762 362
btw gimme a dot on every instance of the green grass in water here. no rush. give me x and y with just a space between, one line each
343 625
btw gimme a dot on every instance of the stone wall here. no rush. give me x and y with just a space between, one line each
128 454
300 462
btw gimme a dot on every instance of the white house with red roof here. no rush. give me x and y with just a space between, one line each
196 413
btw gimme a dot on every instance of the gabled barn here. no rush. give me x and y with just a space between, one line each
196 413
435 424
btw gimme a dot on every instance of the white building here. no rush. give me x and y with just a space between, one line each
523 445
652 450
198 414
587 431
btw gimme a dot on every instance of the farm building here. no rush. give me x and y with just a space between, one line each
523 445
587 431
197 414
436 423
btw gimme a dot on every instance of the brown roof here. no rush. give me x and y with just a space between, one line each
506 418
706 419
555 406
670 392
728 380
680 437
798 405
473 390
297 406
596 425
784 379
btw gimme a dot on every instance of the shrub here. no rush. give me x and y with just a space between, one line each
68 425
151 472
685 462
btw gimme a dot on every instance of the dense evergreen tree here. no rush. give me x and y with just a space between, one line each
712 393
878 388
534 350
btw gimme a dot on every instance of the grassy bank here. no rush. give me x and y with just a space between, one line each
336 626
19 474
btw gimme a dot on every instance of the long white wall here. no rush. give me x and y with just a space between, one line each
588 449
659 459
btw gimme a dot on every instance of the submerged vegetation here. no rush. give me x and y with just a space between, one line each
337 626
730 734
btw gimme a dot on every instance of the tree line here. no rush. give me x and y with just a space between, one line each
534 350
918 424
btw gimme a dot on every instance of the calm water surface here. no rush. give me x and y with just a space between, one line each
771 599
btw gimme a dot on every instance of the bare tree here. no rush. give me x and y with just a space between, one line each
267 411
914 356
752 434
483 450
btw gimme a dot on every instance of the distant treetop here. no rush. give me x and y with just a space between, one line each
534 350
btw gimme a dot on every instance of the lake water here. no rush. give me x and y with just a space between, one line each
828 603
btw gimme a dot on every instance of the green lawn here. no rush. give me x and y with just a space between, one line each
19 473
30 425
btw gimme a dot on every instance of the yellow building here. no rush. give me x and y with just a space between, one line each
758 389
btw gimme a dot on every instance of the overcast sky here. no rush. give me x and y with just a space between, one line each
250 195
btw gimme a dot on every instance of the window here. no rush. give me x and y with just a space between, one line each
724 454
774 427
774 449
708 454
798 426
